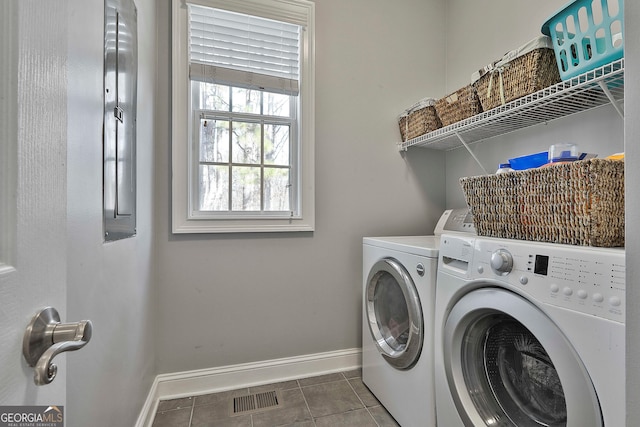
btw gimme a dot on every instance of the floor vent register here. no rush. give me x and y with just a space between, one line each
255 402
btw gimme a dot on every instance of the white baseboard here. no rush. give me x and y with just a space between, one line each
213 380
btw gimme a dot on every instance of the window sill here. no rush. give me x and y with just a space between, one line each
239 226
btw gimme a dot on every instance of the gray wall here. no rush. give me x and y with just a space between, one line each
632 199
480 32
111 284
227 299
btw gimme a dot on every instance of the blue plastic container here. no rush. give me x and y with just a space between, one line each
586 34
530 161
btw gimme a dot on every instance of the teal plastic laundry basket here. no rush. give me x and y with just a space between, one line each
586 34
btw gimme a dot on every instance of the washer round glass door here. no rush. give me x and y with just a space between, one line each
394 313
508 364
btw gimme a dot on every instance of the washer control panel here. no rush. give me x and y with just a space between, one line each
586 279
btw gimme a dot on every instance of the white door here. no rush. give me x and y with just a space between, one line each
33 151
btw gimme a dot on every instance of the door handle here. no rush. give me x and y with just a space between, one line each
46 337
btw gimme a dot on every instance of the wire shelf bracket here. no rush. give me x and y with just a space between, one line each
471 152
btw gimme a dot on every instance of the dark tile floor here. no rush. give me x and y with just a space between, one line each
339 399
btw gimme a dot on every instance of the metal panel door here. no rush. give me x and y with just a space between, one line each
120 97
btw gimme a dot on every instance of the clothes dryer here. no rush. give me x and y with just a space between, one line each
529 334
397 330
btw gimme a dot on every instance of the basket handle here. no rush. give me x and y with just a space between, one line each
499 70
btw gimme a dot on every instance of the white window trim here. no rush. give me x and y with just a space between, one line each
301 12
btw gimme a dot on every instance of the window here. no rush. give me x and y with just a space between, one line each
242 115
244 141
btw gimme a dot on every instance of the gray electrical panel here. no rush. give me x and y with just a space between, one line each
120 98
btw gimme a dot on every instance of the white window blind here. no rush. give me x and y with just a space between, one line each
242 50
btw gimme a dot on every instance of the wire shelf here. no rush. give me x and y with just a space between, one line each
592 89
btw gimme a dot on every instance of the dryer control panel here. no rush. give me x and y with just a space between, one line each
586 279
456 220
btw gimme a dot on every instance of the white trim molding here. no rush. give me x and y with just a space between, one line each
214 380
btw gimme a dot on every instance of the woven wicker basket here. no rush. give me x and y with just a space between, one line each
578 203
522 76
459 105
418 120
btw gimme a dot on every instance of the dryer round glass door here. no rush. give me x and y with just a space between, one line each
508 364
394 313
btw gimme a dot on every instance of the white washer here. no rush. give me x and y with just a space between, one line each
529 334
397 330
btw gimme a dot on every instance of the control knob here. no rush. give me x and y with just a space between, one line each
501 262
